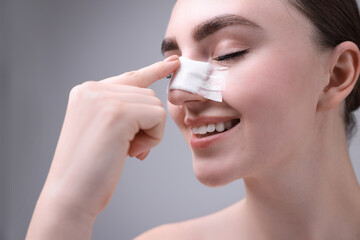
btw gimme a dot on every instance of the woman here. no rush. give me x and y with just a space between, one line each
292 84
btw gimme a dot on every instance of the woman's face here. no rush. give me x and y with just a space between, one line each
273 85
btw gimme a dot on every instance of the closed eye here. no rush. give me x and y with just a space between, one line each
231 56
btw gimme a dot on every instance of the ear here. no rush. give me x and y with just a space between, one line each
344 72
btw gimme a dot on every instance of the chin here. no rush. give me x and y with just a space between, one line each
212 175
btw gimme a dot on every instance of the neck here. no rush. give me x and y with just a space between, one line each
310 196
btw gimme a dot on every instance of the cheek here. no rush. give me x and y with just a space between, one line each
276 97
274 80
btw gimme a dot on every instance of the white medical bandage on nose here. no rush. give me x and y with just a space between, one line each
199 77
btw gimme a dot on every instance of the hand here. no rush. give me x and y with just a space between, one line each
105 122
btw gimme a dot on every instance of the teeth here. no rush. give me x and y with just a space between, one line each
210 128
228 125
203 129
220 127
195 130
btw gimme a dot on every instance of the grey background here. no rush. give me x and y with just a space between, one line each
47 47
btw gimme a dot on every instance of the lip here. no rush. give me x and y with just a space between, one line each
204 142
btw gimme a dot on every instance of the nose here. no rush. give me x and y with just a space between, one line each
181 97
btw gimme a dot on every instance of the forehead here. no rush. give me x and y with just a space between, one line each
269 14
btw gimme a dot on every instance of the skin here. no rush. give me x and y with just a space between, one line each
105 122
290 146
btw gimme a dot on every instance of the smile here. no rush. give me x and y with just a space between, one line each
214 128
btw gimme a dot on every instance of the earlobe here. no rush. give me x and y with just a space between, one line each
344 73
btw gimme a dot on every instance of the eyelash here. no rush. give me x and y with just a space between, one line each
231 56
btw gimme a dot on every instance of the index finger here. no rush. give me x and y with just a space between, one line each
146 76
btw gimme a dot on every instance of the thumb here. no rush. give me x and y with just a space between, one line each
141 144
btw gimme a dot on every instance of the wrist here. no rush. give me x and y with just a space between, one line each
55 218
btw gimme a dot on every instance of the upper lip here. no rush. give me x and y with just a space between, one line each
193 122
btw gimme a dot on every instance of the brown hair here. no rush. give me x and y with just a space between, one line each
336 21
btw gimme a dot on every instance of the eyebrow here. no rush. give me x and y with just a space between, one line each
209 27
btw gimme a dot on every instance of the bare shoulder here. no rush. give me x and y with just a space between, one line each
208 227
174 231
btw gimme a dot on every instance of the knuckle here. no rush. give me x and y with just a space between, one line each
87 90
158 72
89 86
150 92
162 120
131 74
132 77
83 88
158 102
74 91
162 113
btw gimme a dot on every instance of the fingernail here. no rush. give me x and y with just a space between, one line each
171 58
